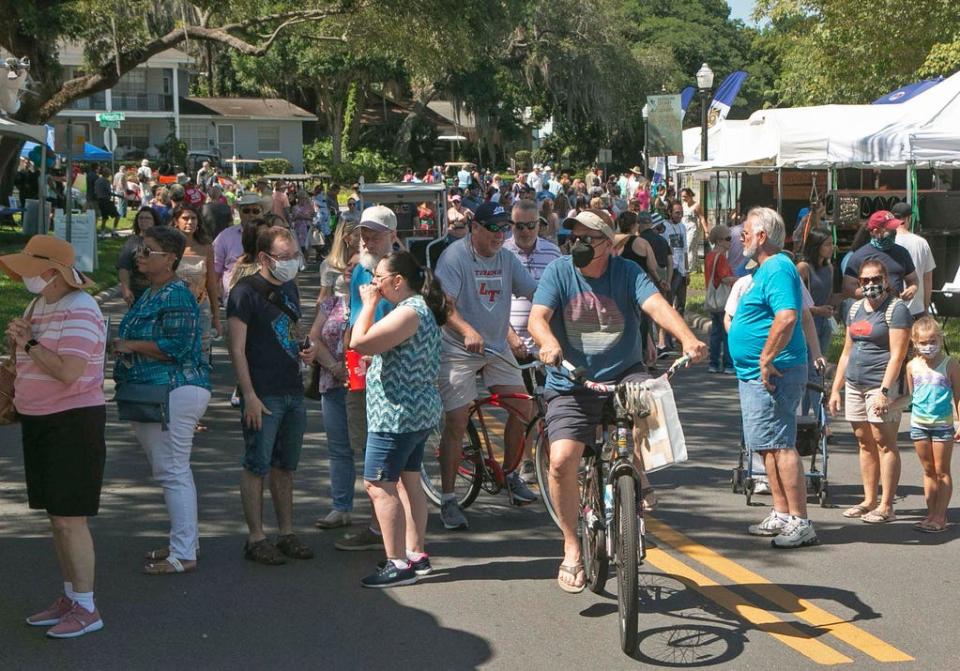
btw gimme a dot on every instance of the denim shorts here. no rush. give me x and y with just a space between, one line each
389 454
770 419
278 442
939 434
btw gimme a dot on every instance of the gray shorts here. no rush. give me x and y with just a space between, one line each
577 415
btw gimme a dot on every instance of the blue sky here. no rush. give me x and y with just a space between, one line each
740 9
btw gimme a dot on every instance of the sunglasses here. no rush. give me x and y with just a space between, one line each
495 227
587 239
876 279
250 210
147 252
525 225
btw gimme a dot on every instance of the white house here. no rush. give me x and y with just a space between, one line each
154 99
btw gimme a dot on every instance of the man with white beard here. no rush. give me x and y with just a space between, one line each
378 233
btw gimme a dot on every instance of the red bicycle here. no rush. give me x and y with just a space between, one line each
483 465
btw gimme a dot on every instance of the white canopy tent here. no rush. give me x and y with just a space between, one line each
31 133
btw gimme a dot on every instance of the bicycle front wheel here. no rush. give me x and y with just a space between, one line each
469 472
541 457
628 561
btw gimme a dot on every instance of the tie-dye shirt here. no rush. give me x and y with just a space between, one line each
596 320
932 395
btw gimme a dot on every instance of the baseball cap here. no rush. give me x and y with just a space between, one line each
597 220
378 218
901 210
491 213
882 219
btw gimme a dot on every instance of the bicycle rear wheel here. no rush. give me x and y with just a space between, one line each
593 538
469 472
628 561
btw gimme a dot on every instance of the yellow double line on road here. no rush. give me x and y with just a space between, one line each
803 642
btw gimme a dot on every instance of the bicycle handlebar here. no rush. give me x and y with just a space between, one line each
578 375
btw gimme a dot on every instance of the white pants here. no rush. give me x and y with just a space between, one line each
169 455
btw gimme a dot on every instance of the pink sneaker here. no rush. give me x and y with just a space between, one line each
77 623
52 615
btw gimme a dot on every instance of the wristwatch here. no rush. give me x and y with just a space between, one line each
30 344
885 391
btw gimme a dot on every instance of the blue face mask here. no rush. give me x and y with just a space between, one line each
885 243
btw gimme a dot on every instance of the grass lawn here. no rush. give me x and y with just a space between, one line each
14 297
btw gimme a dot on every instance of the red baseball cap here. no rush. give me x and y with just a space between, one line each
883 219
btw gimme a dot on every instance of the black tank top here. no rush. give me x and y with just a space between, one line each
628 253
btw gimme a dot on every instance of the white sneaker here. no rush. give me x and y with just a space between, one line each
761 487
796 533
770 526
334 520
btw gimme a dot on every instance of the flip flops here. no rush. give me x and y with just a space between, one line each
928 528
856 511
876 517
572 570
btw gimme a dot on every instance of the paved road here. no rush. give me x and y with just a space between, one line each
866 597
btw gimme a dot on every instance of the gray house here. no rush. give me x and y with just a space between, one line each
155 102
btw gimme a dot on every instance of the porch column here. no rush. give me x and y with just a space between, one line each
176 101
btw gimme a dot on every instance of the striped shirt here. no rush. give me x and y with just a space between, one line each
535 262
73 326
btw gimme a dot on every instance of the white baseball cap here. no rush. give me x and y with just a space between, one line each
378 218
598 220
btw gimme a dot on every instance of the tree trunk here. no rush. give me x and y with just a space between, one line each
355 121
401 146
335 123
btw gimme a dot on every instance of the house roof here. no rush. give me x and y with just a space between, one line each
446 109
71 53
247 108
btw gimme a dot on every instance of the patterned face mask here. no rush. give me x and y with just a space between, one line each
873 290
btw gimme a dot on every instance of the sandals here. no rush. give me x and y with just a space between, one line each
572 570
929 527
876 517
169 566
856 511
648 498
161 553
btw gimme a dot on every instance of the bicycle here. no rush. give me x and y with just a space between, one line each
610 521
480 469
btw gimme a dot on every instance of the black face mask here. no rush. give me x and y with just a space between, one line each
582 254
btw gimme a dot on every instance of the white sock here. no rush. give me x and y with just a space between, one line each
415 556
401 563
85 601
68 591
802 520
783 517
447 497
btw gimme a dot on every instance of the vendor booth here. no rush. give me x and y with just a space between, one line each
416 232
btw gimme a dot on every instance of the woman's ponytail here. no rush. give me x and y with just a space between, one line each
421 281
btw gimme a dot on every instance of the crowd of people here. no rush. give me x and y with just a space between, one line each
593 271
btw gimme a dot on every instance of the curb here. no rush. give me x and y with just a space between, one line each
698 322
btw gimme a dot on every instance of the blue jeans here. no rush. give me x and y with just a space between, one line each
343 469
718 343
278 442
770 418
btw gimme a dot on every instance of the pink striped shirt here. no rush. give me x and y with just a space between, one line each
73 326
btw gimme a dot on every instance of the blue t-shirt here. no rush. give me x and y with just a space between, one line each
359 277
596 320
776 287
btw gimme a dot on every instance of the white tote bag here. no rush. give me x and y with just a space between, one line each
664 444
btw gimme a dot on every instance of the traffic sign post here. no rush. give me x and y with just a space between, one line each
110 116
110 139
109 124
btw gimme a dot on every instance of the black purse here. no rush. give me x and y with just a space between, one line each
148 403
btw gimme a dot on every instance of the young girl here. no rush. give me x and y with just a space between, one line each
933 379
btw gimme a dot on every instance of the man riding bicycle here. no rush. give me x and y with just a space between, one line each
587 310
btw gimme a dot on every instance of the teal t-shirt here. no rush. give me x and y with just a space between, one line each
776 287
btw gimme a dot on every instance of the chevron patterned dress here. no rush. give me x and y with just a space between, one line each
402 391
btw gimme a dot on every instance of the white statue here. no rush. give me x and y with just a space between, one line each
12 84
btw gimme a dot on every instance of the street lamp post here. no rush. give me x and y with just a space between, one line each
704 84
646 150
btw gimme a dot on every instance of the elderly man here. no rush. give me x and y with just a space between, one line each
586 310
479 277
770 356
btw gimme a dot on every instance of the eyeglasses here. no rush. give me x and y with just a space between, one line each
147 252
526 225
295 257
587 239
381 278
250 210
495 227
876 279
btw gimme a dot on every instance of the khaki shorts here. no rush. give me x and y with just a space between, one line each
858 404
458 374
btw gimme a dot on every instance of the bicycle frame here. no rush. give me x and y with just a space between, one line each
623 464
490 464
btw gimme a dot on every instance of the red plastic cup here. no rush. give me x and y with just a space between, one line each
357 371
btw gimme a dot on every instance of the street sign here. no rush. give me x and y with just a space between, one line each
110 139
665 133
109 124
111 116
605 156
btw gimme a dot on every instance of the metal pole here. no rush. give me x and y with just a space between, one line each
704 93
780 191
68 221
646 149
43 224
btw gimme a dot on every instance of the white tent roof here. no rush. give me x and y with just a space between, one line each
23 131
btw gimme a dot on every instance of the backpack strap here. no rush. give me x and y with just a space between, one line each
854 309
888 315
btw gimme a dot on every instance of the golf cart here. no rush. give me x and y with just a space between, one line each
403 198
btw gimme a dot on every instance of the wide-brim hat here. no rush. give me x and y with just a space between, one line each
42 253
636 170
250 199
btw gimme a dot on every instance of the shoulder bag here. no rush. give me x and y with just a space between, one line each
8 377
716 300
148 403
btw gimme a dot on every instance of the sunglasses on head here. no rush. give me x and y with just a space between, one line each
525 225
876 279
494 226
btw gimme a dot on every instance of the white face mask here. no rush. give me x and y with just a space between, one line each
35 285
285 270
929 351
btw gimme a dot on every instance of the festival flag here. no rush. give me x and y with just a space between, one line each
686 95
726 94
904 93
